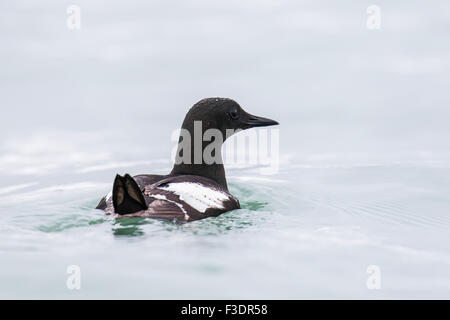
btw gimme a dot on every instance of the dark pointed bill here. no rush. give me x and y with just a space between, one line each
255 121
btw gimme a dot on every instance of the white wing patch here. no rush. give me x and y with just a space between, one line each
163 197
197 196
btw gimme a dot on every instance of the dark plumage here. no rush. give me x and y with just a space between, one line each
195 188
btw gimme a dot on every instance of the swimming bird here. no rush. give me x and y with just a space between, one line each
196 188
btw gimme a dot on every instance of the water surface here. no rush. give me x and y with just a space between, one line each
364 173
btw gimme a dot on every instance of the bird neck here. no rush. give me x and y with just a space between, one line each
195 156
215 172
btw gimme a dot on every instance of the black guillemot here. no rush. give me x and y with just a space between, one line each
196 188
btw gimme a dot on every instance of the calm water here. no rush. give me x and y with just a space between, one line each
364 174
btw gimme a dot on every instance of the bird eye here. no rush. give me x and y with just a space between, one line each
233 115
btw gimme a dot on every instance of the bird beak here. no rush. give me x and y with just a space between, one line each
252 121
